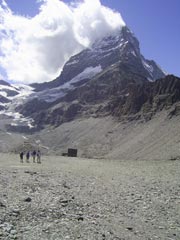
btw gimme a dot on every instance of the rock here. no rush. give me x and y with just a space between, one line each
65 201
130 228
12 237
65 185
13 232
2 205
28 199
103 236
16 211
80 218
30 172
7 227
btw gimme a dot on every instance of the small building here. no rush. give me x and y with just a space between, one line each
72 152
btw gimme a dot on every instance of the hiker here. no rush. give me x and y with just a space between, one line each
21 156
34 156
38 156
27 157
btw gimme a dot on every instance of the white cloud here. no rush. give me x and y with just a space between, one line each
35 49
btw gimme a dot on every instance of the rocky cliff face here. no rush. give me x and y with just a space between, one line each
146 99
114 92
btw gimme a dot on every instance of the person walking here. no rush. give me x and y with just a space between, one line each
21 155
34 156
38 156
27 157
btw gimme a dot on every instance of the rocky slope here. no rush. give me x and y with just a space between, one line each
146 99
89 199
113 92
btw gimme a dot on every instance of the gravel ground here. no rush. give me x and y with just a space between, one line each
89 199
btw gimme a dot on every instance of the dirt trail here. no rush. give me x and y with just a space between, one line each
89 199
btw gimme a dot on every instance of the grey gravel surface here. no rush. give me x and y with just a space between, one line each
89 199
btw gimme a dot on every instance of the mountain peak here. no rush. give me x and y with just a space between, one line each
117 47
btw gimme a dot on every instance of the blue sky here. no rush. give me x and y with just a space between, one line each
156 24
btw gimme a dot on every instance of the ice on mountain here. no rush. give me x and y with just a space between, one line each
72 62
89 72
14 124
51 95
4 94
24 90
147 66
6 87
106 55
30 125
133 53
2 104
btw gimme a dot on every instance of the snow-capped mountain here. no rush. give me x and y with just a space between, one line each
119 47
88 83
110 82
12 95
7 92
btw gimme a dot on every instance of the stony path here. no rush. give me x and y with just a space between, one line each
65 198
